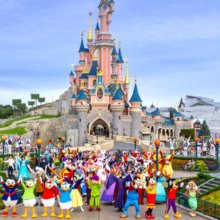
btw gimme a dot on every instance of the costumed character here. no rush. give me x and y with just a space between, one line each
171 198
50 192
66 172
65 200
161 193
141 188
191 193
29 199
132 199
23 172
151 198
17 162
120 189
95 185
75 194
167 169
10 163
10 197
39 188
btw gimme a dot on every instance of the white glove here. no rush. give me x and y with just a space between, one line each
158 173
181 185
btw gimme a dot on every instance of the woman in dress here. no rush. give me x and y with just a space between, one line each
23 172
161 196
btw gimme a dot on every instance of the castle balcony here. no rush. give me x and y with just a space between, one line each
104 42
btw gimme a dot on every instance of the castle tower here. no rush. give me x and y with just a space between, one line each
117 108
90 41
82 108
104 42
120 62
114 64
127 81
135 112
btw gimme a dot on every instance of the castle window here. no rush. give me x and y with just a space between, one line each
100 93
94 82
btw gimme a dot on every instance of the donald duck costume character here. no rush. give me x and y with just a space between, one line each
10 197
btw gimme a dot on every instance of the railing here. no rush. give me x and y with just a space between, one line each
205 207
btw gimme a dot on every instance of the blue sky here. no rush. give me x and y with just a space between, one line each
172 46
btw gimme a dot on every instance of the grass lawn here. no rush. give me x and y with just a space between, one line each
18 131
8 123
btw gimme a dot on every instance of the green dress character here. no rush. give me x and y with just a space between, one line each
95 185
29 199
191 193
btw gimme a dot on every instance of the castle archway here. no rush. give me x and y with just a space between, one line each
99 128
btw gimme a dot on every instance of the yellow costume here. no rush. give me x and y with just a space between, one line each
76 198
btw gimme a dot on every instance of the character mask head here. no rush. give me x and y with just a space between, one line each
10 183
29 184
65 186
49 184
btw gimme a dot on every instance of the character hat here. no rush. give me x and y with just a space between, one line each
49 182
95 177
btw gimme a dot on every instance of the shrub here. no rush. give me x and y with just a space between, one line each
202 167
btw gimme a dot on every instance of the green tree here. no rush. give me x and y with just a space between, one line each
204 129
41 100
35 97
187 133
31 103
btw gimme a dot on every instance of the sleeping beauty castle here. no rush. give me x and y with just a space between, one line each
99 101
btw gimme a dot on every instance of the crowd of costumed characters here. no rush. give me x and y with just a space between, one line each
73 179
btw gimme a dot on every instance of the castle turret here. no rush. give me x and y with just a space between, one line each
135 112
119 66
114 55
97 29
82 52
82 108
117 108
181 105
127 81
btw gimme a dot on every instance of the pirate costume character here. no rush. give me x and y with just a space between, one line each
10 197
173 189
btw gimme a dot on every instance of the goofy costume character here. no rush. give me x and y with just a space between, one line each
10 197
132 199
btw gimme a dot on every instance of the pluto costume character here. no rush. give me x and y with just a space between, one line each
10 197
29 199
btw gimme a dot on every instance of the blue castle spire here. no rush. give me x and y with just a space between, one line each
119 58
135 97
82 48
82 95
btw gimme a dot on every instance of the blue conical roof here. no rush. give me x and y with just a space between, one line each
71 73
97 27
156 112
82 48
135 97
119 58
114 51
117 95
93 70
82 95
73 96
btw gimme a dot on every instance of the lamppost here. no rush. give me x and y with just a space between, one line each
38 142
3 150
135 139
63 140
196 146
157 145
217 141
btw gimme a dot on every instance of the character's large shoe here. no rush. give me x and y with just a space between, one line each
166 216
90 209
148 216
14 214
177 215
34 215
152 217
68 216
53 214
60 216
98 209
138 216
123 216
45 212
24 215
4 214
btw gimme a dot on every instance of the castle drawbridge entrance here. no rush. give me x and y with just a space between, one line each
99 128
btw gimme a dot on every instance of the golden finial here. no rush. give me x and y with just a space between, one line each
90 37
127 80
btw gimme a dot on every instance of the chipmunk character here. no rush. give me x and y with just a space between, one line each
171 198
141 187
10 197
29 199
151 198
191 193
50 191
132 199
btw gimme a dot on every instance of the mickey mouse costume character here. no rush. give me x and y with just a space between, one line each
10 197
173 189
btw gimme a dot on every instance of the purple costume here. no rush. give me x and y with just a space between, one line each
121 189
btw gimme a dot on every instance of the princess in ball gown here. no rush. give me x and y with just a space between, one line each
161 196
23 172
